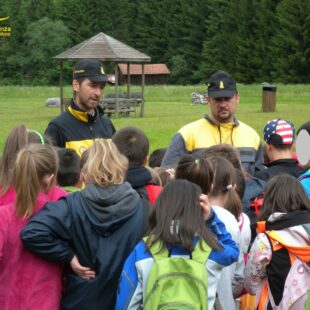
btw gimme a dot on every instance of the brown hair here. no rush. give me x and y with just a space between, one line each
224 183
283 193
177 217
17 139
133 143
226 151
196 170
33 163
105 165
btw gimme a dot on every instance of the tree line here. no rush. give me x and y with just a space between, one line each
255 40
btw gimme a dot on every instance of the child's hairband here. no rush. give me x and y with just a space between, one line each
197 162
38 134
229 186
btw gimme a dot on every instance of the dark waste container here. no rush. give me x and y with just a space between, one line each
269 98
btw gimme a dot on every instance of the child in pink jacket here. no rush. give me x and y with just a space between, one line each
27 281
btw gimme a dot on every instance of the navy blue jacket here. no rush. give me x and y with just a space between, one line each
101 226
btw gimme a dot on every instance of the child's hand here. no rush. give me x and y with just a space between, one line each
171 173
205 206
83 272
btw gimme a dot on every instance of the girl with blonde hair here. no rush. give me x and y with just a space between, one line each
93 230
27 281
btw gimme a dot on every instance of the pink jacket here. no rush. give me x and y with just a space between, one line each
26 281
54 194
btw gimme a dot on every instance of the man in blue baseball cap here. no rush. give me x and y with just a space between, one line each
83 121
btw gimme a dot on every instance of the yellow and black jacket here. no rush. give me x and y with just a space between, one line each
77 130
203 133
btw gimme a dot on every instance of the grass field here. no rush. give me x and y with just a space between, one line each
167 108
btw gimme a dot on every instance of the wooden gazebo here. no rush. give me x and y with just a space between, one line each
107 49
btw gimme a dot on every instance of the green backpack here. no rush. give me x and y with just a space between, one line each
177 282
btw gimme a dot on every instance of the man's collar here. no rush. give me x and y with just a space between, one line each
234 122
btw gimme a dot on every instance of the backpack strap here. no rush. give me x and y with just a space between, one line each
154 250
201 253
302 252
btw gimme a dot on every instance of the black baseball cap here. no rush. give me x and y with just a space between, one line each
221 84
90 68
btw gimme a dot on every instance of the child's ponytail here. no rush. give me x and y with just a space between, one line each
33 164
224 183
233 203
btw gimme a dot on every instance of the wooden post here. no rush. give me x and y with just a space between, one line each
61 88
116 92
143 82
128 80
269 98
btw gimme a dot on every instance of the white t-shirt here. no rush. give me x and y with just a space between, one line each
232 278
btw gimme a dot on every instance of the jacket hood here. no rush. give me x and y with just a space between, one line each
138 176
293 227
108 208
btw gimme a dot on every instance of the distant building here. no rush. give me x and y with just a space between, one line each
154 74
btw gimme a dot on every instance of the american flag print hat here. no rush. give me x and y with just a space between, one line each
279 131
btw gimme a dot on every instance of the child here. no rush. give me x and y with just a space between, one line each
27 281
178 223
18 138
156 157
286 212
279 135
68 176
222 196
253 186
93 230
134 144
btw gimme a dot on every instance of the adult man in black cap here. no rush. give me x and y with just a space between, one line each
219 127
83 121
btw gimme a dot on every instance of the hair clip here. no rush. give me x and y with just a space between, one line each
174 227
38 134
229 186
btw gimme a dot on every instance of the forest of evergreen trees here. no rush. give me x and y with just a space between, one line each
255 40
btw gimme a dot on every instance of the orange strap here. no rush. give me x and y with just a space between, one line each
261 227
263 302
302 252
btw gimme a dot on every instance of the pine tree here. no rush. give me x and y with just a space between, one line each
291 42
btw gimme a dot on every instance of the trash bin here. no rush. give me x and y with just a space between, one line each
269 98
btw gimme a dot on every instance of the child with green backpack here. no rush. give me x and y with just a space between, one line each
177 266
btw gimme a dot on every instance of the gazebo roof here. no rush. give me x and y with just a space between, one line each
105 48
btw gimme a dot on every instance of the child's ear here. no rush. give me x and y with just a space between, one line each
48 182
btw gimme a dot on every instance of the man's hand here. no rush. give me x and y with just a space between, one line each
83 272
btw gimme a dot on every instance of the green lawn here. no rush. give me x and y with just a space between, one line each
167 108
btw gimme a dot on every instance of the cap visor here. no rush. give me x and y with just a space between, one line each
222 93
99 78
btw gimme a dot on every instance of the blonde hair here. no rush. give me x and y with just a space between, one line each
33 164
105 165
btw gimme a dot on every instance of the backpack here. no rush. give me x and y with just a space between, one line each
296 291
177 282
